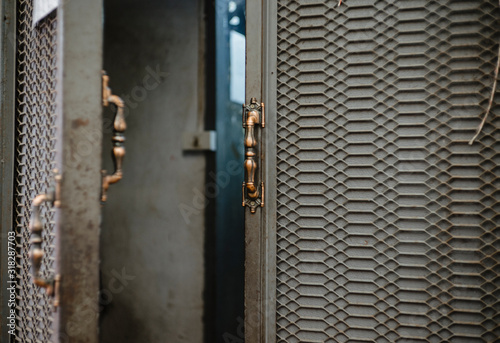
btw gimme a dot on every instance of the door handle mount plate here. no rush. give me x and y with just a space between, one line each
253 203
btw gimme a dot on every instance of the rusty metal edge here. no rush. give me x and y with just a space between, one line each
7 141
253 222
79 100
269 82
260 228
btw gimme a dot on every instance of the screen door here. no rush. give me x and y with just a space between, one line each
36 136
51 116
381 221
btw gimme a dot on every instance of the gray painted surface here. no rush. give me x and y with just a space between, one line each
79 114
143 230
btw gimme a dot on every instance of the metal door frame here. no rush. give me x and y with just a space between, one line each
79 109
260 228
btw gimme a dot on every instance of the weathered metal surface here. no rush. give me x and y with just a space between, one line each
79 99
35 160
46 141
260 228
387 219
253 222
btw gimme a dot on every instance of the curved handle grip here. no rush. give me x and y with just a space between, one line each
36 251
253 115
250 165
119 127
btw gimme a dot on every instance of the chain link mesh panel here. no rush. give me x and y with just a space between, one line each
35 160
387 219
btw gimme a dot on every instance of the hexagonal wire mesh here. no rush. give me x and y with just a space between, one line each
35 160
387 219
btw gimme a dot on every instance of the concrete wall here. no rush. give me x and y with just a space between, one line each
144 234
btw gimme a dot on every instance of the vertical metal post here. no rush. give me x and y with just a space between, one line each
79 111
260 228
253 222
269 93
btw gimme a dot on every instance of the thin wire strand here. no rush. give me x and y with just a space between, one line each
490 103
492 97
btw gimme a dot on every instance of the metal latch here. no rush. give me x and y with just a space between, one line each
199 141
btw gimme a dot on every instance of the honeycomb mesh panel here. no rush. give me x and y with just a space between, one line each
35 160
387 226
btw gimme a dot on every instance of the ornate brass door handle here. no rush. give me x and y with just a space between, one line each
119 127
36 253
253 115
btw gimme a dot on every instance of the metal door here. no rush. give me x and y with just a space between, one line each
381 222
51 120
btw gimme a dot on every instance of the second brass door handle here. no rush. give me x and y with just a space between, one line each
253 118
253 115
119 127
36 253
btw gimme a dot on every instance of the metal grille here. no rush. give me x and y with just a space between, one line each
387 219
35 160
